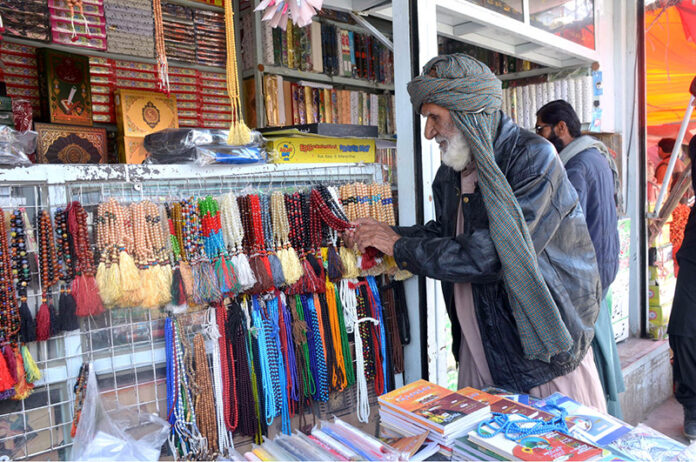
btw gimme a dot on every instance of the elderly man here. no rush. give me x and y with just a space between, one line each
592 171
509 243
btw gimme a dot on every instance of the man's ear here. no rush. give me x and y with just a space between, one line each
561 128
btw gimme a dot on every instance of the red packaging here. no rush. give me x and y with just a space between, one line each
23 114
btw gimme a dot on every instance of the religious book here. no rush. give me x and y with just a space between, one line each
587 423
413 396
451 413
316 47
346 62
644 443
309 105
551 446
290 40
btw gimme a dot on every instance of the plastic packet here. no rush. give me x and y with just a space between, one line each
644 443
15 146
202 147
121 434
23 114
386 452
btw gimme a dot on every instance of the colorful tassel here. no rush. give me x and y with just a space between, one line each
276 270
31 370
86 294
350 263
334 268
6 381
178 292
43 323
55 325
205 284
131 293
22 388
27 327
369 258
108 279
187 280
264 280
244 274
292 268
11 361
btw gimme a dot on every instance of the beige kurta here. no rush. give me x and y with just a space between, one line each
582 384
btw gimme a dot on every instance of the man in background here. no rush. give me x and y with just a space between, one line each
592 171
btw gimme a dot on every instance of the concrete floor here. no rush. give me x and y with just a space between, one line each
668 419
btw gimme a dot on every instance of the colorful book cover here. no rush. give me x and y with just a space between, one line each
644 443
346 64
351 42
552 446
284 48
588 424
290 41
334 106
479 395
444 412
316 44
308 105
316 105
414 395
277 46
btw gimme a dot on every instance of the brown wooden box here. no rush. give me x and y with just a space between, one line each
68 144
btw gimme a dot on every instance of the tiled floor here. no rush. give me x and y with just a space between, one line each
668 418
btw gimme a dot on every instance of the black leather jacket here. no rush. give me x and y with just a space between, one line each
564 250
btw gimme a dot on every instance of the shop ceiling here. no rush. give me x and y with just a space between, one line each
465 21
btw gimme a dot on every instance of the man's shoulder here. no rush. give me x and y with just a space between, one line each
589 159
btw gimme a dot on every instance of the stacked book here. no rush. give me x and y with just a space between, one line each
294 103
70 28
179 33
210 38
424 406
130 27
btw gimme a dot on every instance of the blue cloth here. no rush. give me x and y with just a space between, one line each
592 178
590 175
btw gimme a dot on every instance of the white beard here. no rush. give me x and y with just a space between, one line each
457 152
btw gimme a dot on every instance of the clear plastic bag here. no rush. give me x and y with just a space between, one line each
202 147
121 434
15 146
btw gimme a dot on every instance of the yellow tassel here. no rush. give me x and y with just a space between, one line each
22 388
113 282
150 287
101 283
131 285
350 263
390 263
165 285
402 275
292 261
240 134
31 370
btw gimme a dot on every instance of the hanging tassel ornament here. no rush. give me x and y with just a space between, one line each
108 275
290 263
31 370
43 322
273 260
7 383
49 272
214 245
239 132
162 65
84 287
233 234
253 235
27 329
67 316
22 388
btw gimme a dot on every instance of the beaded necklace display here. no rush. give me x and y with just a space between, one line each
339 375
185 288
306 386
215 247
292 270
79 390
157 239
204 402
46 320
233 233
333 351
268 361
317 359
229 378
205 286
308 281
149 252
312 243
279 374
249 207
108 272
20 274
9 314
273 260
288 353
64 249
84 286
237 337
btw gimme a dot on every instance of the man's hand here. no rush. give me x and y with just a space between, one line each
371 233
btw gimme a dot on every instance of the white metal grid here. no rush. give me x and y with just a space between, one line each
126 346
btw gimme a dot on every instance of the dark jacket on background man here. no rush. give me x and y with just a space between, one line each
564 251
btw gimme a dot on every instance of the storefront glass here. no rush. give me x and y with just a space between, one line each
570 19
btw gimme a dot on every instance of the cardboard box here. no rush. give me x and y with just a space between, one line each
67 144
658 318
139 113
65 87
295 149
131 150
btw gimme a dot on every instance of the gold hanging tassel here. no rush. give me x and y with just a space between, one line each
239 132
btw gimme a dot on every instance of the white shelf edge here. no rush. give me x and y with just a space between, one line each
315 76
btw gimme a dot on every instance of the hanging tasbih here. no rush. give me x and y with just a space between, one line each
144 256
215 246
340 372
312 241
248 424
271 320
64 250
162 65
255 373
156 237
21 274
84 286
233 233
80 390
108 273
204 402
253 243
267 225
205 286
317 358
391 322
268 361
333 351
46 319
182 285
229 378
9 314
292 270
296 235
306 387
288 353
239 132
377 312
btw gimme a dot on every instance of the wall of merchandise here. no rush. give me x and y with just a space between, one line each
124 333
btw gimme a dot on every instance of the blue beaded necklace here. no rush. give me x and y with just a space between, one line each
264 361
522 426
282 394
372 283
316 350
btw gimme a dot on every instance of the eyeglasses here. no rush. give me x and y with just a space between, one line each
539 128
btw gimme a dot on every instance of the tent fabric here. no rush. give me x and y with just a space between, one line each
670 49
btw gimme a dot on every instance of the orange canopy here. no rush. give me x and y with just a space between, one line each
670 49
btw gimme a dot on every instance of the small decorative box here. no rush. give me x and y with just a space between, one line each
67 144
139 113
65 87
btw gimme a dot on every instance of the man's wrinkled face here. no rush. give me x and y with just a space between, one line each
455 148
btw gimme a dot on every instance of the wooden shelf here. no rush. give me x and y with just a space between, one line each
317 77
107 55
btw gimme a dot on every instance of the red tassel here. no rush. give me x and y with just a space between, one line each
86 293
261 270
369 258
11 361
6 381
43 323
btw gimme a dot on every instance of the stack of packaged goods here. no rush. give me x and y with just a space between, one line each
21 77
210 38
80 26
215 111
184 85
27 19
179 33
130 27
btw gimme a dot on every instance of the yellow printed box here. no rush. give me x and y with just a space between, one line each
139 113
131 150
320 149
